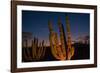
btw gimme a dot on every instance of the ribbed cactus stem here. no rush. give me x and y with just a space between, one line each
41 49
56 50
70 50
62 38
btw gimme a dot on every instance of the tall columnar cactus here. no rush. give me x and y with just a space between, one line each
56 50
70 49
38 49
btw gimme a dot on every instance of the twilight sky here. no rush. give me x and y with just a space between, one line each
36 22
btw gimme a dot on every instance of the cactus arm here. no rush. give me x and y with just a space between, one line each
51 36
53 48
71 53
39 50
62 38
33 49
44 50
70 50
42 47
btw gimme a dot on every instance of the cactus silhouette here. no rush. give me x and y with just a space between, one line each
38 49
37 52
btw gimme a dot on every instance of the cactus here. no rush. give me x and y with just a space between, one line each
38 49
57 51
